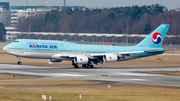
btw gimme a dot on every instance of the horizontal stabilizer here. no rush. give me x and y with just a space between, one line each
154 51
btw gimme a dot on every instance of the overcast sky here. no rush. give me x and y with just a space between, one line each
170 4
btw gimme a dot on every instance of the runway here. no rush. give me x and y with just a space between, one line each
121 76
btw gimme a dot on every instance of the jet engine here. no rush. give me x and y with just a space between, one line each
110 58
55 60
81 59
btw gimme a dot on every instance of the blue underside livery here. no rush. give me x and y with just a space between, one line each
56 51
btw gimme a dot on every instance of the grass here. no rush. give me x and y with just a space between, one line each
4 43
174 51
130 93
162 72
6 76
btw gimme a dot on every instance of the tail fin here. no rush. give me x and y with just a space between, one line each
156 38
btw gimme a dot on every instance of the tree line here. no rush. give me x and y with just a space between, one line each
118 20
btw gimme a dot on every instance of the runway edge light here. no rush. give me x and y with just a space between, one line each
80 96
44 97
50 97
42 94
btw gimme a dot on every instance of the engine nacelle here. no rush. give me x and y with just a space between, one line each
110 58
55 60
81 59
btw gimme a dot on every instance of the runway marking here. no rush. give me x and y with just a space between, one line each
128 75
39 70
139 79
70 75
138 74
40 74
25 73
122 79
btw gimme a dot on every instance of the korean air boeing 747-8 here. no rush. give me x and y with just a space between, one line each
84 54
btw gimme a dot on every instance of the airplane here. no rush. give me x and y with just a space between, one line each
85 54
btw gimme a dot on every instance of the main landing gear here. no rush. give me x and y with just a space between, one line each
88 66
19 62
75 65
84 65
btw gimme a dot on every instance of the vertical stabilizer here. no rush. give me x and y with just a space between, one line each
156 38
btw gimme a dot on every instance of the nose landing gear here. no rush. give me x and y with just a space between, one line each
19 62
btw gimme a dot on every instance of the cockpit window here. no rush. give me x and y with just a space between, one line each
16 41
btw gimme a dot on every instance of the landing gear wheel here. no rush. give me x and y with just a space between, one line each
19 62
73 63
76 66
83 65
89 66
92 66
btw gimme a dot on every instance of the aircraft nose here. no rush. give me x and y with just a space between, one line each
5 47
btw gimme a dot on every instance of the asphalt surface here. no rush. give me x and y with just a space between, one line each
122 76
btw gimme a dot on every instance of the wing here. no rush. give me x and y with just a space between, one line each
122 56
100 57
